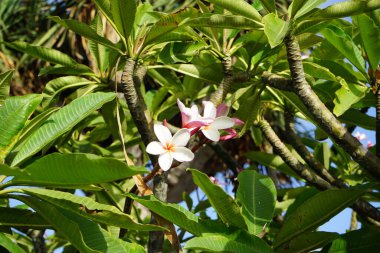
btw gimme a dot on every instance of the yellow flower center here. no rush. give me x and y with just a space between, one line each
169 147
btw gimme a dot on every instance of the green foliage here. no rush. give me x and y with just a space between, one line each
257 196
63 147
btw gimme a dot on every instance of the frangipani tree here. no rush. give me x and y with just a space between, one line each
257 68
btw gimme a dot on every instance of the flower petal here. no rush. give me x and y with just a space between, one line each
182 154
209 109
231 134
165 161
196 123
181 138
222 110
222 123
163 134
238 122
211 134
181 106
194 112
155 148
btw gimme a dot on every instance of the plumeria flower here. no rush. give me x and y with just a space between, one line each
360 136
191 119
370 144
170 147
211 131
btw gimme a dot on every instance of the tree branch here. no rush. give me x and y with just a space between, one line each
131 80
280 149
325 119
363 208
225 85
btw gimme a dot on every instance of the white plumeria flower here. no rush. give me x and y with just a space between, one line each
170 147
211 131
360 136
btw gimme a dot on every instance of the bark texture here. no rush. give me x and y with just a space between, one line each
224 87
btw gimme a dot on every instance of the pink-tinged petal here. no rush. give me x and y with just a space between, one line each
181 138
238 122
165 161
193 130
222 110
231 134
163 134
209 110
182 154
193 124
211 134
181 106
155 148
222 123
185 119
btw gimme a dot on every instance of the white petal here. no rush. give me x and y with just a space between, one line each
181 106
194 112
209 109
181 138
182 154
211 134
163 134
222 123
165 161
155 148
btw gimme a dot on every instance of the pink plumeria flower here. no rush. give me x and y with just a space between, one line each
370 144
170 147
211 131
191 119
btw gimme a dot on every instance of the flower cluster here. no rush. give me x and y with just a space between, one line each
174 147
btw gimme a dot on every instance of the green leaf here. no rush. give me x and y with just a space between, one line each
298 8
317 71
85 31
15 217
83 234
178 215
357 118
348 95
275 29
238 242
346 9
123 13
15 110
9 244
61 122
315 211
89 208
5 82
359 241
78 69
269 5
223 21
224 204
211 73
167 24
69 170
344 43
370 35
44 53
271 160
257 196
239 7
54 87
308 242
65 226
99 52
